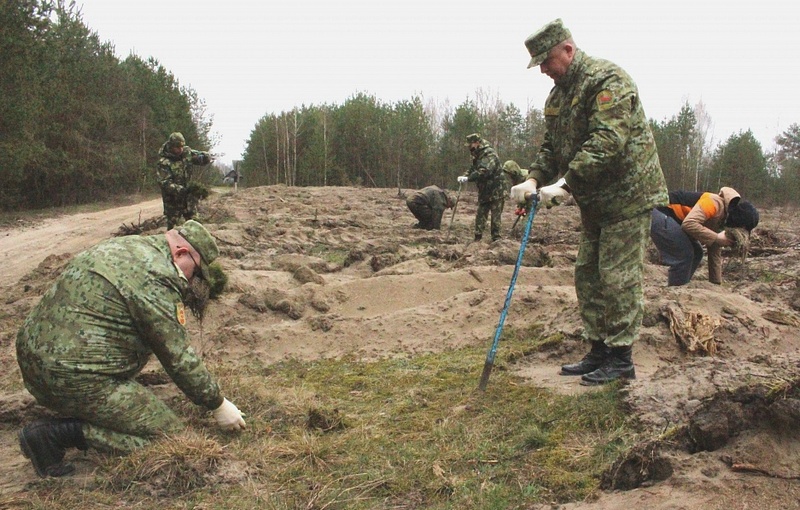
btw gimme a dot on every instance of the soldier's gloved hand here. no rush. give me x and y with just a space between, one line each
521 192
462 179
555 194
228 416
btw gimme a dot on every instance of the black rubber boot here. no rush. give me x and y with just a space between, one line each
45 441
592 361
618 365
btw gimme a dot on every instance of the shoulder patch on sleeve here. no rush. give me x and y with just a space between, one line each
180 313
605 99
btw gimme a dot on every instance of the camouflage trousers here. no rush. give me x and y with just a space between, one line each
495 208
609 279
119 415
428 218
178 207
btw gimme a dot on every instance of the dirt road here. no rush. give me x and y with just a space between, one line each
21 250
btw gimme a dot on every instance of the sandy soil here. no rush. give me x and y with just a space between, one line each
323 272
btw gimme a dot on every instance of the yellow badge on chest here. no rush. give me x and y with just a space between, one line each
604 99
180 313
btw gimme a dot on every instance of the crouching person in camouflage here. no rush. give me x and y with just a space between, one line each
428 205
82 345
180 196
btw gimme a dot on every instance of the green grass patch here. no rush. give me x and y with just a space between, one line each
406 432
330 254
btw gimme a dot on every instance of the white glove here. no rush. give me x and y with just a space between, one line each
553 194
521 192
462 179
228 416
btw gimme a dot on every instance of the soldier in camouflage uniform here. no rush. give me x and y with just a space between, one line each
599 144
81 347
513 173
428 205
174 176
487 174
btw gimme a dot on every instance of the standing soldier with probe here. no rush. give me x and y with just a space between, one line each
599 146
487 174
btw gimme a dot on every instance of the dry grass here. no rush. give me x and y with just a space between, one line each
169 467
395 433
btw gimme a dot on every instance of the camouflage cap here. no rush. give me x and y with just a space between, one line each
202 241
545 39
511 167
176 140
474 137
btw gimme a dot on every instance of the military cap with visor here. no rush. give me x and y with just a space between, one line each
176 140
473 138
202 241
545 39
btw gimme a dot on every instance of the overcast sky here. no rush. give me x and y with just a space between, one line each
249 58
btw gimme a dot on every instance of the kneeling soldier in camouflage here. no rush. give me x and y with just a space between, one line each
82 345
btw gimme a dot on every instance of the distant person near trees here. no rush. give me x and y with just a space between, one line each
428 206
695 219
487 173
599 146
180 195
81 347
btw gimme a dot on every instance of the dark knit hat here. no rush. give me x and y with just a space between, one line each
742 214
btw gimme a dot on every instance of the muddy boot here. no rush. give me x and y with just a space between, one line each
592 361
45 442
618 365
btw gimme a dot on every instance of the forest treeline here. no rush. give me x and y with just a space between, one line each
77 124
412 144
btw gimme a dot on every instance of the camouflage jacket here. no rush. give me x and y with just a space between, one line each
175 172
598 138
111 308
433 196
487 173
